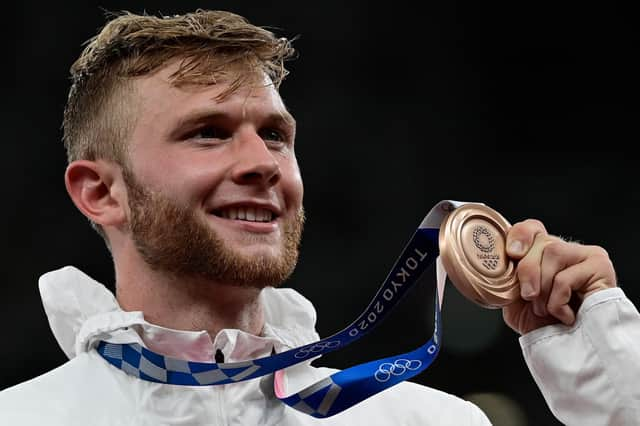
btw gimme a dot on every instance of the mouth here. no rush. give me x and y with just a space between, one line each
247 213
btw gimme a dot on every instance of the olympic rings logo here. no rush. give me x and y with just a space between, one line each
397 368
483 239
318 347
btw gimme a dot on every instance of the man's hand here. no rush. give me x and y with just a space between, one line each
554 275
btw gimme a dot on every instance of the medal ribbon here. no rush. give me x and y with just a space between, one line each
341 390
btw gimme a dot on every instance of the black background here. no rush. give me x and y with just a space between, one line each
528 107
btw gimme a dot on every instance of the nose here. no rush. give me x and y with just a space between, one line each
256 164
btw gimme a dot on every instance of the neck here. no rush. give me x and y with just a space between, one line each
186 303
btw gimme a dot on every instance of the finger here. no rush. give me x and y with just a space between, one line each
520 317
516 314
599 274
565 283
521 236
580 278
561 292
528 269
556 256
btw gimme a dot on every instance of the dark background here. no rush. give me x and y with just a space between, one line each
530 108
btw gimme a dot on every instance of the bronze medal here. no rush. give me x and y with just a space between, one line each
473 252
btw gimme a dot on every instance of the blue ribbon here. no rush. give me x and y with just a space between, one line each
335 393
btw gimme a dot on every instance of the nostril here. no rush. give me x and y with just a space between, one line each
252 176
274 179
257 174
256 177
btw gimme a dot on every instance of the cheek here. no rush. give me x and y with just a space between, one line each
292 182
154 167
185 179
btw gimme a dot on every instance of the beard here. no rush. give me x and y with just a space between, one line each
175 240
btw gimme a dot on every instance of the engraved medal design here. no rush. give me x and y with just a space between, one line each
472 248
486 243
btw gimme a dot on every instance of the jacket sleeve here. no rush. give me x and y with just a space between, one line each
589 373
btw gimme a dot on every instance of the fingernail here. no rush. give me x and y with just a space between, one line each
527 289
516 247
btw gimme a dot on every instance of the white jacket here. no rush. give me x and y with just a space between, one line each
588 373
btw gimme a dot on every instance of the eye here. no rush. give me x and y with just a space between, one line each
273 135
210 132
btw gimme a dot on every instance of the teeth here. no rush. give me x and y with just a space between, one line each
250 214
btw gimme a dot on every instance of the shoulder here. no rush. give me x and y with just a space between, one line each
424 402
409 403
80 388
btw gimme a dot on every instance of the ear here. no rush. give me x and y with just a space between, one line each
97 189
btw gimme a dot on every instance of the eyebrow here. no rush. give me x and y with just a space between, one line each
203 115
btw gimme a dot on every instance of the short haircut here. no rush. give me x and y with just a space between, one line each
101 108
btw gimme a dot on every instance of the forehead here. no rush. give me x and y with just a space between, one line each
161 99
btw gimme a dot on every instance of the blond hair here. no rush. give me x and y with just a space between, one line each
99 113
101 108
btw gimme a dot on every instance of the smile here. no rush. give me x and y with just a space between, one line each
248 214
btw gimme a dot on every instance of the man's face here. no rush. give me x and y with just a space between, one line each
214 186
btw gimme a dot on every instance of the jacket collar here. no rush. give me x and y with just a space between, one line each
82 311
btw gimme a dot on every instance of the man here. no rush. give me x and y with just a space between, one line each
181 154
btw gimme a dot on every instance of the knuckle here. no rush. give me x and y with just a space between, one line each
533 222
528 226
555 247
534 225
604 263
599 252
562 283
